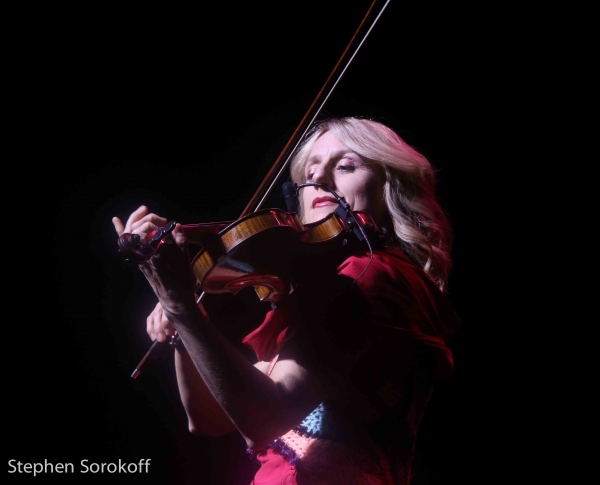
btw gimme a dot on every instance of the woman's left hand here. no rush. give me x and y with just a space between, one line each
169 270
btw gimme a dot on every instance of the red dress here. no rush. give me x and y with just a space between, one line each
398 323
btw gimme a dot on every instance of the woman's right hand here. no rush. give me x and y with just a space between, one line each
158 326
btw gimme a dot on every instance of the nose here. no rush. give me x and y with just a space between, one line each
322 175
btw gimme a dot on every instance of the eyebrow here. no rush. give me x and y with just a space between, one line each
335 156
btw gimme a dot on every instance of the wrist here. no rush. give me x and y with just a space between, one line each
177 343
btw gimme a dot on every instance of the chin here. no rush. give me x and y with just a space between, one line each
318 215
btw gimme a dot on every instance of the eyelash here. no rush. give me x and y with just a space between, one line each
342 168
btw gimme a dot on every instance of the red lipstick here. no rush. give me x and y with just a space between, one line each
324 201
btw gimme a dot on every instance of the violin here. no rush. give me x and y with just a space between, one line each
263 248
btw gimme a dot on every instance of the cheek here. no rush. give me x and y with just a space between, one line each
304 202
360 191
376 202
304 198
368 195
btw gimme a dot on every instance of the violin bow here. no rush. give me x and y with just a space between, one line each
283 160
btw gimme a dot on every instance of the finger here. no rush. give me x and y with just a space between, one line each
179 235
148 221
118 224
161 323
159 327
153 322
150 326
135 216
143 227
168 327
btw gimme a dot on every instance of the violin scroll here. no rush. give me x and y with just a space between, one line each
138 250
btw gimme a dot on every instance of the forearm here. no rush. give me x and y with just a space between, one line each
205 415
260 407
250 399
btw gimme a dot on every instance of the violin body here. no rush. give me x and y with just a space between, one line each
268 249
263 250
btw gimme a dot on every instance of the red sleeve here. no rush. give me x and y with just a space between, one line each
391 300
403 298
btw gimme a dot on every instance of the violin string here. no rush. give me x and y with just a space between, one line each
346 207
176 337
330 91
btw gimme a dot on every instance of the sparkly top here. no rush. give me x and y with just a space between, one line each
398 322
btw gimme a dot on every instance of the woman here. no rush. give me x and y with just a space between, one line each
346 364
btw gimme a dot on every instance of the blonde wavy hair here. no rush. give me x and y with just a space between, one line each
422 229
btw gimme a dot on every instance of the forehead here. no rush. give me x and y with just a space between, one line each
327 142
329 147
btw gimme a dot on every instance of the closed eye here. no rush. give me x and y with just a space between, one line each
346 167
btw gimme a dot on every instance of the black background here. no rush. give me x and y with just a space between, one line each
185 110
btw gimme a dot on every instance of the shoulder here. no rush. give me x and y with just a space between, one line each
401 294
385 267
